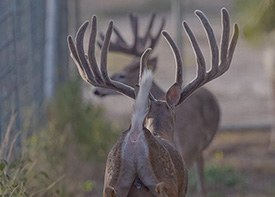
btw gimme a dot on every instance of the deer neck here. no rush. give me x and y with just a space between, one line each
160 128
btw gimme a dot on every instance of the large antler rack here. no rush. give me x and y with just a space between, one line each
140 43
87 64
98 76
221 58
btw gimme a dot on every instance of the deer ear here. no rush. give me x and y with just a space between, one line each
173 95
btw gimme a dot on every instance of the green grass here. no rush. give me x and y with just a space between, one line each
223 175
218 176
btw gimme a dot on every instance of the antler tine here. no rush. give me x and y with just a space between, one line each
225 36
149 27
104 52
120 39
201 67
91 51
140 42
134 25
199 56
119 44
211 39
233 43
154 40
87 74
143 65
177 57
74 56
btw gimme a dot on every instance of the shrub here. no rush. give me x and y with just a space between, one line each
92 132
64 158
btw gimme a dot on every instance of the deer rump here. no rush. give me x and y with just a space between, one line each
150 164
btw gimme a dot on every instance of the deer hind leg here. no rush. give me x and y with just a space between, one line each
161 189
199 167
120 171
122 186
167 189
158 187
109 192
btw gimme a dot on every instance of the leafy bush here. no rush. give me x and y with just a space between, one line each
223 175
217 176
74 145
68 113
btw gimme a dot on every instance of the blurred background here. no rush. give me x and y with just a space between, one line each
55 133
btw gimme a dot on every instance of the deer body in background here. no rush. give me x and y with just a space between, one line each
197 118
160 121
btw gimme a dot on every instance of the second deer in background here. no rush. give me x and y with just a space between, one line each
199 115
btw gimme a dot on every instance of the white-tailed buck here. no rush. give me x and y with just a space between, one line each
159 123
143 155
198 117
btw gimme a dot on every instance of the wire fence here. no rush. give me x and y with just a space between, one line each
22 62
23 40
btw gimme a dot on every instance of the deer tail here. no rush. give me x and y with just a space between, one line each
141 103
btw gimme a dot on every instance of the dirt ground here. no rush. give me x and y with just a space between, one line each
251 161
245 100
238 164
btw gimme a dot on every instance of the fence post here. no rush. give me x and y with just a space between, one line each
177 16
51 29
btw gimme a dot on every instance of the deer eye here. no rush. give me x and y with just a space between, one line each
118 77
121 76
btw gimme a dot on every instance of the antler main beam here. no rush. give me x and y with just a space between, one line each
87 64
221 59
